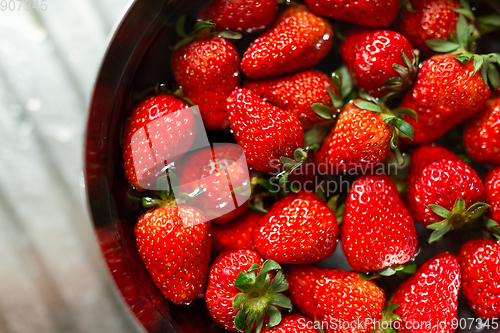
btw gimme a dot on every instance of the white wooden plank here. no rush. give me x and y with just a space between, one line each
51 278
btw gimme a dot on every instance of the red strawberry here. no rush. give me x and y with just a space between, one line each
375 61
359 140
296 93
480 266
447 188
298 40
429 19
155 133
492 190
443 96
377 230
482 134
301 281
219 175
221 289
265 132
207 71
337 297
234 284
245 16
368 13
294 323
429 298
426 155
298 229
236 234
175 250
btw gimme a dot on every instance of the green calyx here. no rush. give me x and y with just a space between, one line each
456 218
202 29
493 228
343 87
407 74
469 30
300 156
333 205
162 89
463 44
165 189
260 297
397 125
464 38
261 189
388 317
400 270
486 64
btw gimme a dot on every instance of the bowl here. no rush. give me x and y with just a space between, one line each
137 59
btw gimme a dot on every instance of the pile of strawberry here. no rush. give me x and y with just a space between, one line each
409 77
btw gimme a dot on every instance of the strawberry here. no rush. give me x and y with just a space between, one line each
301 286
368 13
377 231
241 291
296 93
236 234
480 266
218 176
359 140
492 190
298 40
175 250
428 300
294 323
298 229
445 188
482 134
427 20
337 297
265 132
444 94
149 118
426 155
379 61
207 70
245 16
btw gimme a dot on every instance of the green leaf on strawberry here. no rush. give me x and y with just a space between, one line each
493 227
398 126
400 270
343 85
300 155
259 297
456 218
463 44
